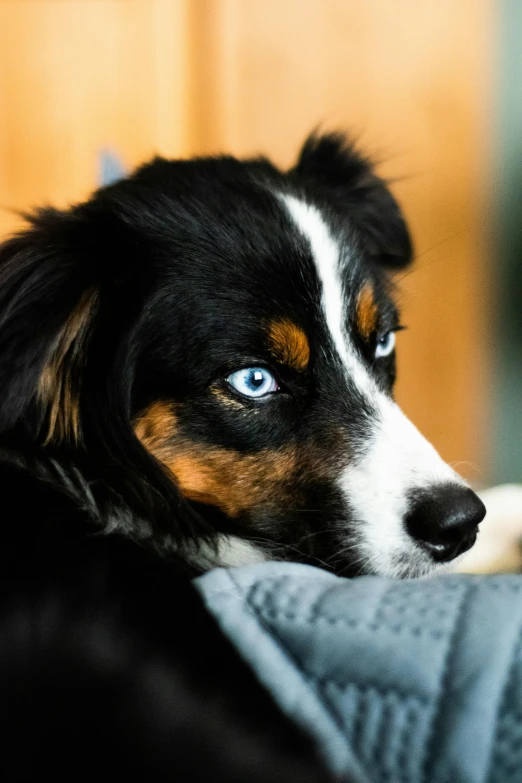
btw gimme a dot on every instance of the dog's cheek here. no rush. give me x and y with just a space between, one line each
236 483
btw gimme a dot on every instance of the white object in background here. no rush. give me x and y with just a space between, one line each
499 542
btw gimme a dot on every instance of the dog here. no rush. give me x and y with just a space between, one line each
197 370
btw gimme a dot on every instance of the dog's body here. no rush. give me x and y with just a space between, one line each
111 668
199 362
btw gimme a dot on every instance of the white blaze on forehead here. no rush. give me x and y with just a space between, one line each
326 254
396 458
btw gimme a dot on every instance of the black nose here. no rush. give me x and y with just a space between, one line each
445 519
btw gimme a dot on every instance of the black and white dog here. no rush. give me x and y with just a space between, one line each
197 369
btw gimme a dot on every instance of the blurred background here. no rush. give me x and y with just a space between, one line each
431 88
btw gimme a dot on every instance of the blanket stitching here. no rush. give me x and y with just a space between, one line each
504 714
438 717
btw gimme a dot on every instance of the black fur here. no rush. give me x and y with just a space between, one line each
108 657
110 667
338 172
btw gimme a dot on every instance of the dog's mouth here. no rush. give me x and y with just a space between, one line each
444 552
441 526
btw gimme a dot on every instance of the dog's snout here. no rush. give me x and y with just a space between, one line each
445 520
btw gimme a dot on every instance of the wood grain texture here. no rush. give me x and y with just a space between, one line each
81 76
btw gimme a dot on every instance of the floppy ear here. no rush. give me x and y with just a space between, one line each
47 302
331 165
70 300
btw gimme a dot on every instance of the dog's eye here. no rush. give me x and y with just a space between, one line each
253 382
385 345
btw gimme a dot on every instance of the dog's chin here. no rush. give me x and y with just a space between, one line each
400 559
410 563
406 567
230 551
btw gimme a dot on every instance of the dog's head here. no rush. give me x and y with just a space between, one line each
223 334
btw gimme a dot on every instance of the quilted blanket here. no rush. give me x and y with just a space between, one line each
404 682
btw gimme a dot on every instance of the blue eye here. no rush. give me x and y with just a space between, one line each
385 345
253 382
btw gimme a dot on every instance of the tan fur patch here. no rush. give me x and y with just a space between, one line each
367 312
57 387
289 344
226 400
225 478
156 424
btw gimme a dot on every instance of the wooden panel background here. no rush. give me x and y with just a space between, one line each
411 80
82 75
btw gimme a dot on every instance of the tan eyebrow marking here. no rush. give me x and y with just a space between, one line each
289 344
367 313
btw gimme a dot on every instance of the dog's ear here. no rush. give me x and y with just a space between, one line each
331 165
48 298
71 298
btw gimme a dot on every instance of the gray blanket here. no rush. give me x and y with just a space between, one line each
403 682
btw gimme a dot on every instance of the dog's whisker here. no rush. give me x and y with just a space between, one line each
322 532
465 463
